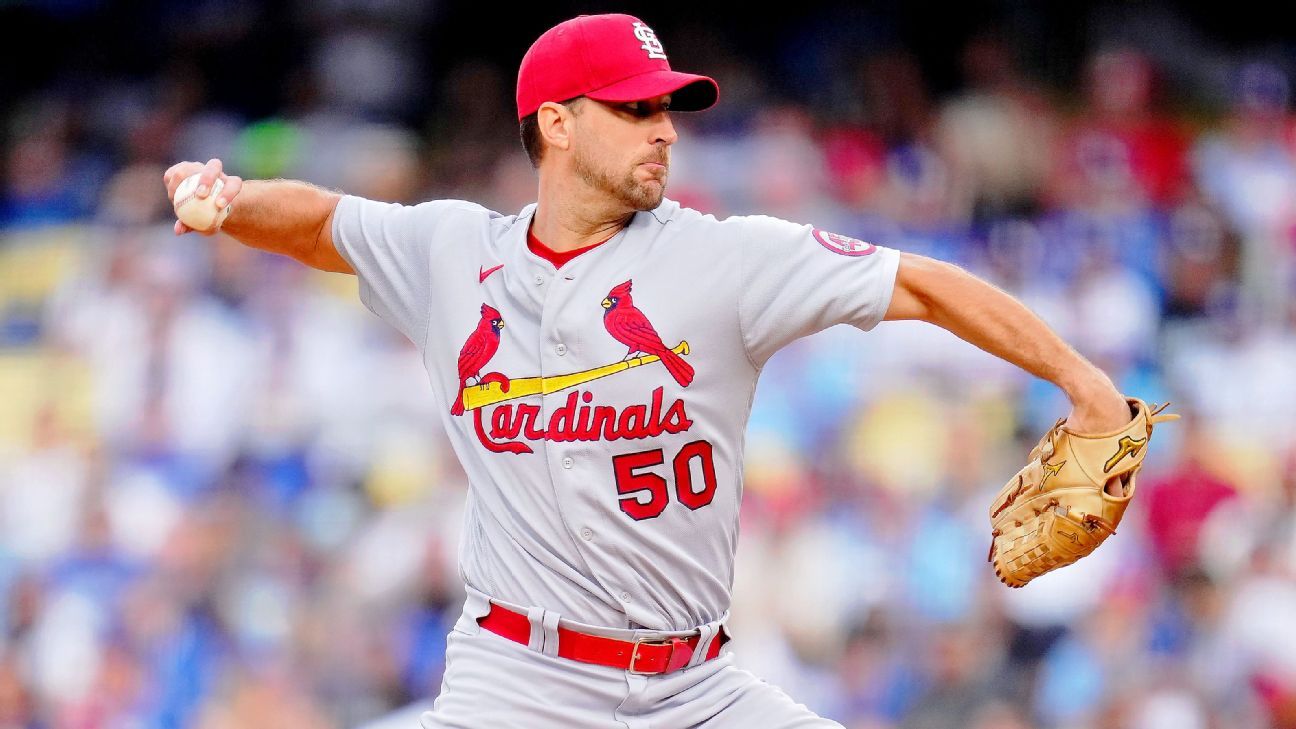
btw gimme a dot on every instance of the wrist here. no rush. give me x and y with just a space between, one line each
1085 384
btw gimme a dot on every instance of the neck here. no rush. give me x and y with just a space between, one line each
570 215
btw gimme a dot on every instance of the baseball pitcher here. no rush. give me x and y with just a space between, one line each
594 358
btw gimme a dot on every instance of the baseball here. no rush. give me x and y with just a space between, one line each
199 213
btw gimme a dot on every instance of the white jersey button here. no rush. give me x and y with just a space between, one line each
567 462
587 534
539 279
625 597
561 349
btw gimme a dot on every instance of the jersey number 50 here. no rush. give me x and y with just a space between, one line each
635 486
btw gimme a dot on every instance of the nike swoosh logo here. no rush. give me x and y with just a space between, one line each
483 273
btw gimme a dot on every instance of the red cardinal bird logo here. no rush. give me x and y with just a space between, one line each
630 327
477 351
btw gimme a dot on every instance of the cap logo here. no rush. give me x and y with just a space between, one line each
650 42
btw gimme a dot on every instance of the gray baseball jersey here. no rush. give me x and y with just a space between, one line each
599 409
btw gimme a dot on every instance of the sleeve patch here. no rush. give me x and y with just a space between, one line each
843 245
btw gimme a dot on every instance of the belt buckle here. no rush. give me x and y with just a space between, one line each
680 655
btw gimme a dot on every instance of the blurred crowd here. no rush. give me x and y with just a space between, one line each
226 500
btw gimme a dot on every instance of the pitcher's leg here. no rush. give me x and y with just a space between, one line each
719 695
494 683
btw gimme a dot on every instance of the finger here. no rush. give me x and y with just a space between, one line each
210 172
172 177
177 174
180 228
233 183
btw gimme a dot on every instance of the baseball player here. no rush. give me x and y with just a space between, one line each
594 357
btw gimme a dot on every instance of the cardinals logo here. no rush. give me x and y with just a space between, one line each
630 327
501 423
477 351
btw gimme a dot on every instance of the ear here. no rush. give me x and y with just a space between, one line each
556 123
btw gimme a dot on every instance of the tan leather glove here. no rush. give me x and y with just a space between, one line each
1057 509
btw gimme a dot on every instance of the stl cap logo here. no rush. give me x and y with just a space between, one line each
650 42
843 245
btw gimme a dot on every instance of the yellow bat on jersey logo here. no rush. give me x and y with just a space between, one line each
492 393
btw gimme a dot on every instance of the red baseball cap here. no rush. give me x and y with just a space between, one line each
607 58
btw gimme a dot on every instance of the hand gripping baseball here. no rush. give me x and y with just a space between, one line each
195 211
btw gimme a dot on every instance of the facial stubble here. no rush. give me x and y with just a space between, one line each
627 190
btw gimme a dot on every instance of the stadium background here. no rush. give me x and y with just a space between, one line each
225 500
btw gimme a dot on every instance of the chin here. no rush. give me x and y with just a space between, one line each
650 196
650 202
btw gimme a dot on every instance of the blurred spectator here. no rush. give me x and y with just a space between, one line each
961 678
1248 169
998 135
1120 151
43 181
1199 262
1180 502
1117 310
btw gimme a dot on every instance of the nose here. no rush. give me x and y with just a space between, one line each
664 129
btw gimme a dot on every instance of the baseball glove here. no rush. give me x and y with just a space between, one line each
1057 509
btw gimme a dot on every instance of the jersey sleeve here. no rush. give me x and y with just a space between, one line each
796 280
391 247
